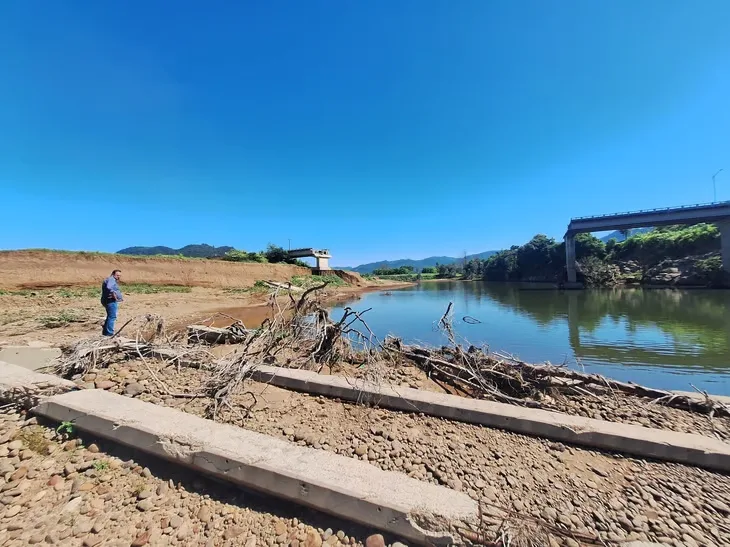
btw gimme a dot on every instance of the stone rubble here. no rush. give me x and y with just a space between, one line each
63 493
583 491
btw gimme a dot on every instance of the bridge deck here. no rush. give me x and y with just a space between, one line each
686 214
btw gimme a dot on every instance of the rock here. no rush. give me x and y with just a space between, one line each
162 489
184 531
361 449
93 448
289 432
104 384
69 469
19 474
141 539
720 506
251 541
204 514
549 514
133 389
15 445
14 510
82 526
72 506
99 525
36 538
233 532
175 522
313 539
91 541
456 484
376 540
144 494
145 505
280 528
570 542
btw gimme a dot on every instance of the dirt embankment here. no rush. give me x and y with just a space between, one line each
42 269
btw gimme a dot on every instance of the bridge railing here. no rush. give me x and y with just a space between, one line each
657 210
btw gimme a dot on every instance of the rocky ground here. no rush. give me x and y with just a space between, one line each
64 492
575 490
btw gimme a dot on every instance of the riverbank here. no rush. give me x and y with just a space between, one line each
52 297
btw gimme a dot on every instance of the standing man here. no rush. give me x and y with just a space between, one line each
110 298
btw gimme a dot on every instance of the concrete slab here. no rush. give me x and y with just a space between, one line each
640 441
32 358
345 487
18 383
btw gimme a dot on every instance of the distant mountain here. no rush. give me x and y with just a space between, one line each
618 236
417 264
192 251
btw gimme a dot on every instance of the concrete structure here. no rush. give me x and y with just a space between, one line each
322 255
348 488
20 384
636 440
32 358
716 213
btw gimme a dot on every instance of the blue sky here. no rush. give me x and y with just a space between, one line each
381 130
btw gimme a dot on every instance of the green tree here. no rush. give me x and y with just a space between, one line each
274 254
429 270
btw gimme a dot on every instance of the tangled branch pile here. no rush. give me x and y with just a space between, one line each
478 373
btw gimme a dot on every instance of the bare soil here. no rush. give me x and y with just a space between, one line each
44 269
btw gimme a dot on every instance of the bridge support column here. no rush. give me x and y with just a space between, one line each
725 244
323 263
570 257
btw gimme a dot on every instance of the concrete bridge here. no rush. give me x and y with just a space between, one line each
714 213
321 255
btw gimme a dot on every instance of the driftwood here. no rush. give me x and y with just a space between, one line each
234 334
479 373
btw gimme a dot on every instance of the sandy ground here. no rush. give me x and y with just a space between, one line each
38 269
27 320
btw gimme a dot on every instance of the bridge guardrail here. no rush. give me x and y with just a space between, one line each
678 208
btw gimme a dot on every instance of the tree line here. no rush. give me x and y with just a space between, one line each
543 259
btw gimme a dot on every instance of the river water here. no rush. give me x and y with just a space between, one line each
669 339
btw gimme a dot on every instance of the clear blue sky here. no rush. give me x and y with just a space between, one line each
381 129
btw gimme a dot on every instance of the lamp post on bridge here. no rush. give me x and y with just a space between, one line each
714 186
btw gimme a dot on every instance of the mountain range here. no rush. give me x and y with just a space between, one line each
417 264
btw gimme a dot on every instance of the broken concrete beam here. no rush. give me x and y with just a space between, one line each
697 450
26 387
344 487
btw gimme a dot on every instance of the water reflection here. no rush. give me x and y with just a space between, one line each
648 336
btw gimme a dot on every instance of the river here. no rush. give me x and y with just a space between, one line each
669 339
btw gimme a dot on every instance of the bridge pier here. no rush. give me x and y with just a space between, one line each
725 244
323 263
570 257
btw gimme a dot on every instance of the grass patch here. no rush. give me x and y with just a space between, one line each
95 292
259 287
33 437
101 465
146 288
61 319
309 281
